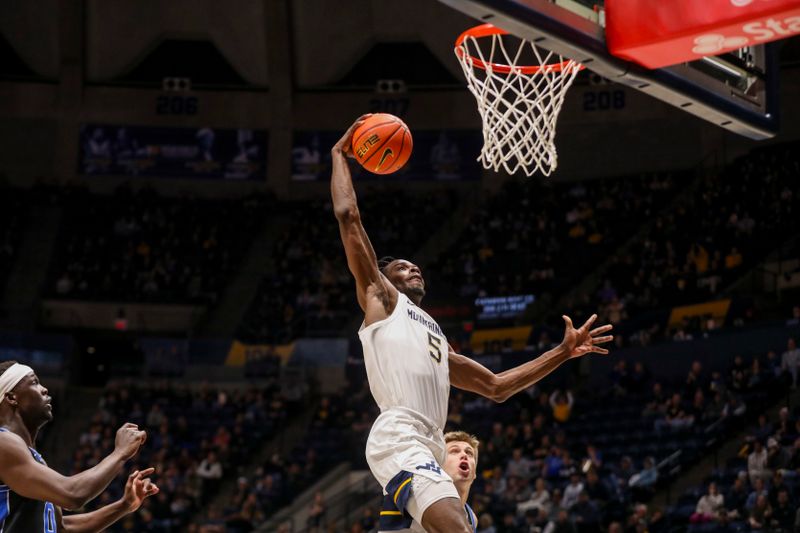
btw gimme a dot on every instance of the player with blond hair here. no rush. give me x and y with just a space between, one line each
461 465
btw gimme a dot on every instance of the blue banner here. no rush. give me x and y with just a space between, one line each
45 353
447 155
210 153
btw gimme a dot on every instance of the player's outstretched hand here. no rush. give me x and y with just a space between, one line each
129 439
585 340
345 144
138 488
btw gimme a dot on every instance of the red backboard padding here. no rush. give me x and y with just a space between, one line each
658 33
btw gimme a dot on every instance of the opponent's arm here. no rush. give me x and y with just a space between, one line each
137 488
36 481
361 257
471 376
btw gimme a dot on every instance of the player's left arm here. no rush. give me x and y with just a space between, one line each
471 376
137 489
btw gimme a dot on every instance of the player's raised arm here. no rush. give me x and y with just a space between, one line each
361 258
469 375
36 481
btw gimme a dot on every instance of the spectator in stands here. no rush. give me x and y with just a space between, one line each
734 406
733 259
778 485
675 417
795 319
709 506
698 410
519 465
778 457
715 407
695 380
761 514
64 284
794 462
210 471
643 483
638 520
773 364
552 464
529 522
561 524
757 462
486 524
538 500
759 490
586 514
790 359
786 425
594 457
155 417
572 491
561 403
595 488
783 512
736 498
620 380
316 512
763 429
658 401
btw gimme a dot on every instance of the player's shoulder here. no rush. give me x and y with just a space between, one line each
11 443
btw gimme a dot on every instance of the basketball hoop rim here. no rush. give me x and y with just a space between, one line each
485 30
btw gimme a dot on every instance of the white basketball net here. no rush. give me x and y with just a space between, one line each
519 110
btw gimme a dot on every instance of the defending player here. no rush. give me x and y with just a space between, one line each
461 465
410 366
31 494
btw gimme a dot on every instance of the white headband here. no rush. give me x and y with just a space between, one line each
12 376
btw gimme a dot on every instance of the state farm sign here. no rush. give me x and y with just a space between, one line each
751 33
685 30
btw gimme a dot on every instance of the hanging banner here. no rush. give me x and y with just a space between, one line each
206 153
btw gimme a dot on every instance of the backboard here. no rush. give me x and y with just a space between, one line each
736 90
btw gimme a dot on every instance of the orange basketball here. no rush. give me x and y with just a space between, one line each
382 144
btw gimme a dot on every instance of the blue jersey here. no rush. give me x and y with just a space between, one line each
23 515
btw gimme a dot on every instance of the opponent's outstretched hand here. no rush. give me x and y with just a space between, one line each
138 488
584 340
345 144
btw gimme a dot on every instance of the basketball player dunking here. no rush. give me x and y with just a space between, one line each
410 367
31 494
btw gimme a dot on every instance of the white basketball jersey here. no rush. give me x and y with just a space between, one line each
406 358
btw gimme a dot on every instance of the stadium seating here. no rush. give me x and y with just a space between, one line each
311 292
539 237
139 246
184 427
13 206
707 240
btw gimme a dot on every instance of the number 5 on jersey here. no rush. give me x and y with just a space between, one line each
435 347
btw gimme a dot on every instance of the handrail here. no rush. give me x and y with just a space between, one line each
669 459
